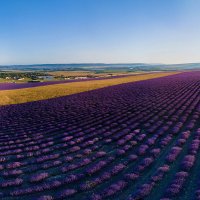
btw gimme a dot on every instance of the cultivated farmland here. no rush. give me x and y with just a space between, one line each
51 90
130 141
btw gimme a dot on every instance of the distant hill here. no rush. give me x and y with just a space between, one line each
102 67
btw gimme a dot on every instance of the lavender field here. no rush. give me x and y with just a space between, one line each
12 86
131 141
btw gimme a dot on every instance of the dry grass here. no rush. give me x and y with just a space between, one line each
51 91
71 73
89 73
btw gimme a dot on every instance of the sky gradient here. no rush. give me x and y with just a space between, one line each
109 31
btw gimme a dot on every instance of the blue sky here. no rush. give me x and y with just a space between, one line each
111 31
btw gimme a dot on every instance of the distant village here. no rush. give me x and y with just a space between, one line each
43 76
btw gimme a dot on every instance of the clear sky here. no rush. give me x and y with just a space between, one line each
111 31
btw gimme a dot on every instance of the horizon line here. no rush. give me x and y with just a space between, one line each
98 63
